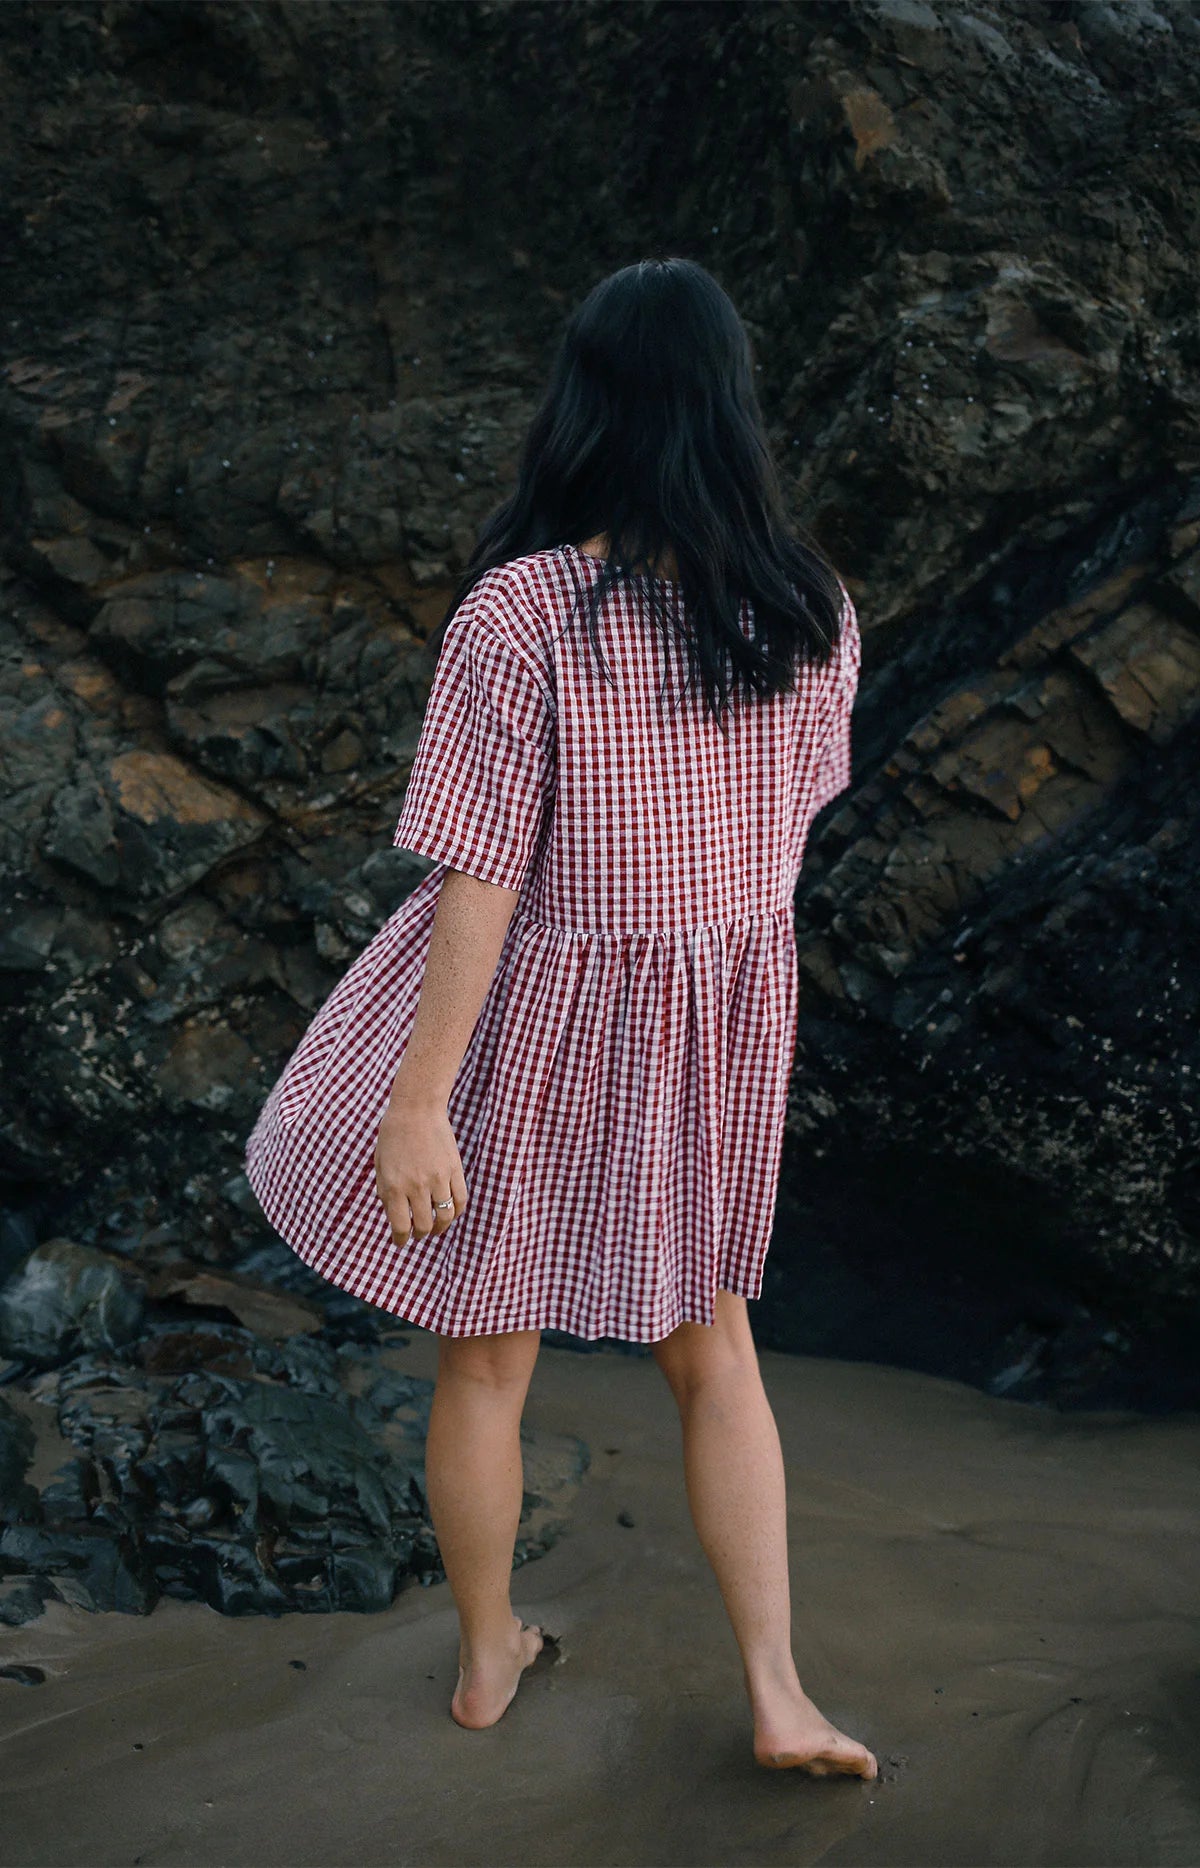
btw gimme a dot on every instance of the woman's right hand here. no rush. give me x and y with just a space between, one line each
416 1163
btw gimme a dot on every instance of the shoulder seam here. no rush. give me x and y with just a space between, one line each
491 626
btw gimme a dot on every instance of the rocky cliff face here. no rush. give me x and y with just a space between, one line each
279 286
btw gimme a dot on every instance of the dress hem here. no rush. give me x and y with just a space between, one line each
423 1316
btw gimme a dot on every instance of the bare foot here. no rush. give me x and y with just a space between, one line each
486 1688
789 1732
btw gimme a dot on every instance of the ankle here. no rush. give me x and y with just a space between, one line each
769 1675
494 1635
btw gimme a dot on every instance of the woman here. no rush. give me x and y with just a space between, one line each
551 1091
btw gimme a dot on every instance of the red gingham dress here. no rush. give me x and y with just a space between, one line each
619 1109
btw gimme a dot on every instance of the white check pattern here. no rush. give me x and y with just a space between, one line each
619 1110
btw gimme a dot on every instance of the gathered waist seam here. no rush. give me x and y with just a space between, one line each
700 927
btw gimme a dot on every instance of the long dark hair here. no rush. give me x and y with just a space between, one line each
650 432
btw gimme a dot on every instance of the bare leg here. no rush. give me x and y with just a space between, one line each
734 1472
474 1482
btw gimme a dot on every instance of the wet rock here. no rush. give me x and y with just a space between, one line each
94 1566
17 1497
71 1494
259 1476
22 1599
65 1298
269 1312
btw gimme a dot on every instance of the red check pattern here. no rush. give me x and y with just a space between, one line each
619 1109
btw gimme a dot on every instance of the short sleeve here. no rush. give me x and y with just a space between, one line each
832 775
484 770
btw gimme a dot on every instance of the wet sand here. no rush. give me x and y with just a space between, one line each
1000 1601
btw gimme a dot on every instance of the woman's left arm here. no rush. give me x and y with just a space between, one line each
416 1155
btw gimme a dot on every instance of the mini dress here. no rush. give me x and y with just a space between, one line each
619 1110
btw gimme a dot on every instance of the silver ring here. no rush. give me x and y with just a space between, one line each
443 1203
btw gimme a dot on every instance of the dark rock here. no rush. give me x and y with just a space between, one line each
269 1312
68 1297
22 1599
93 1565
71 1495
18 1499
259 1476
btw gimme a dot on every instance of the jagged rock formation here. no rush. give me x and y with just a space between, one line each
265 1460
280 283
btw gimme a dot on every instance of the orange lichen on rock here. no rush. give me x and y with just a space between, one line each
151 786
871 123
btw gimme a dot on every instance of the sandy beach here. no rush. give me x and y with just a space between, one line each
1001 1601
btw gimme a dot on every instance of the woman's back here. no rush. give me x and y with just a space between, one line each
621 806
